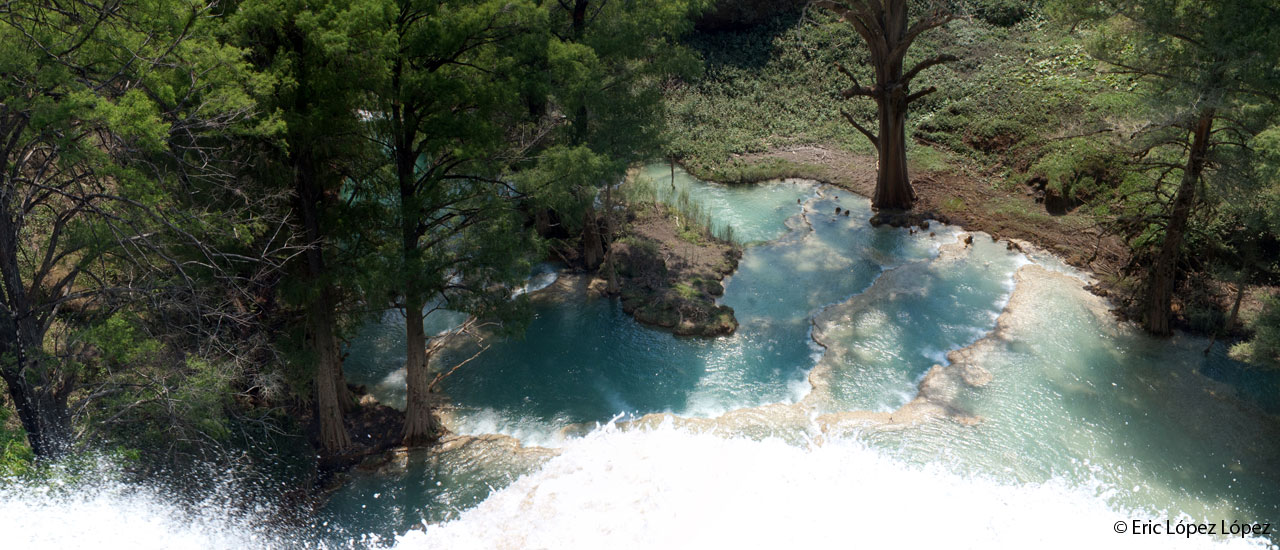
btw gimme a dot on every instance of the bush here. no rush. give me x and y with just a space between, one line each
15 456
1264 348
1001 13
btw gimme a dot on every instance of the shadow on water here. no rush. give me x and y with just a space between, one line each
421 488
578 361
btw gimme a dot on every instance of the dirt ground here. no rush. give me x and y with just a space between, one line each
685 260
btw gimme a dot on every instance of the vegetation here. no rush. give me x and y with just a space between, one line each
1206 71
690 217
201 201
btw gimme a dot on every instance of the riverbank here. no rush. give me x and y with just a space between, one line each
981 203
957 198
930 342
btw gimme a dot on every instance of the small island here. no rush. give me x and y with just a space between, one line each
669 270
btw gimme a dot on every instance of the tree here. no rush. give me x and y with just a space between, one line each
102 111
457 74
1253 242
1204 63
883 26
608 61
318 55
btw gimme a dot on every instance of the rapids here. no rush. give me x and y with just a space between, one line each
886 388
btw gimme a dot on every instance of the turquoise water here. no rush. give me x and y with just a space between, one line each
1130 413
582 360
886 388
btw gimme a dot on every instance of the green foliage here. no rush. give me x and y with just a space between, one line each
111 114
453 81
1001 13
15 455
765 86
605 81
1264 348
1187 63
686 291
120 341
1016 92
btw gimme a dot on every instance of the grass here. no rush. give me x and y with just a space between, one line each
737 170
686 291
953 204
15 455
693 221
1018 210
1020 87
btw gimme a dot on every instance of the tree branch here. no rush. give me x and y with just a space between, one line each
937 18
875 140
858 89
935 60
920 94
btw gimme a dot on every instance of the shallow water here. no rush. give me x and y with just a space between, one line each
1043 422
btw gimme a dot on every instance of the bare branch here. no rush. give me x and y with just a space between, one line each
935 60
875 140
921 94
858 89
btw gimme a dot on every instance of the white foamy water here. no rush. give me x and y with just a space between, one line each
659 488
670 488
101 514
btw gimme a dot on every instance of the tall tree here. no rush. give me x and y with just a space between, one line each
318 54
885 27
457 76
608 61
101 107
1203 63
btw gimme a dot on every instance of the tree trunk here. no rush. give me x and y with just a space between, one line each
329 410
346 398
38 389
43 413
883 26
579 19
320 314
592 247
610 229
1231 321
893 188
1164 272
420 426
